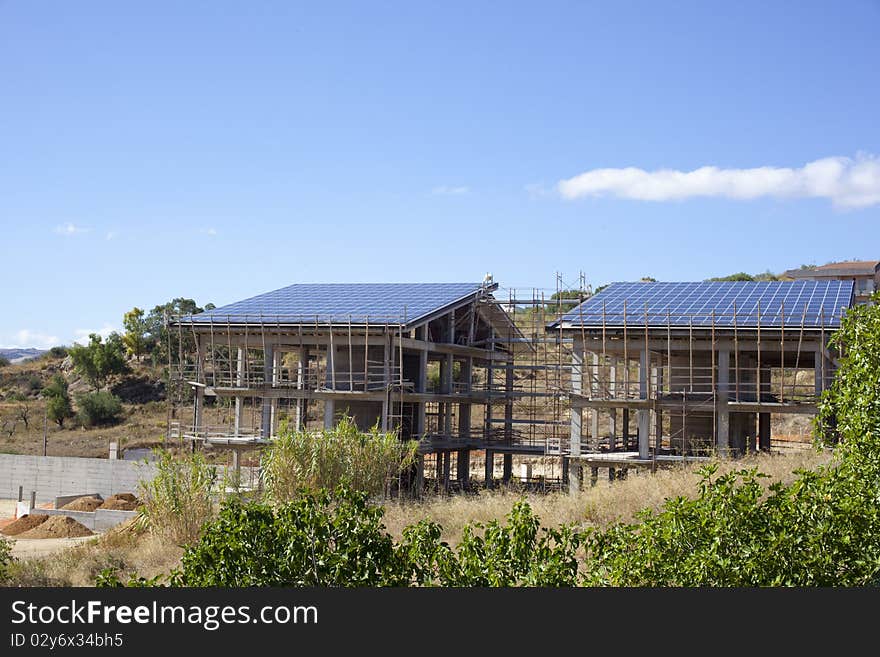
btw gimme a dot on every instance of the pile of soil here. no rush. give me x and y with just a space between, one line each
25 523
85 503
57 527
121 502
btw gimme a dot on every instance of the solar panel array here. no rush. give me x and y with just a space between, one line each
339 303
746 304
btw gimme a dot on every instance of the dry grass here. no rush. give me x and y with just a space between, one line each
126 549
599 506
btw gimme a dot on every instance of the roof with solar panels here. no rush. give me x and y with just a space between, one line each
719 304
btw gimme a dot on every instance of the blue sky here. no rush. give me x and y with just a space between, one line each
216 150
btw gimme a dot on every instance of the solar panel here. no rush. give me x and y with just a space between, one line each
745 304
327 303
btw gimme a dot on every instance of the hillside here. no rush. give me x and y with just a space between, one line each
16 355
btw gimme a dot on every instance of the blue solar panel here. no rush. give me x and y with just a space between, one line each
811 304
326 303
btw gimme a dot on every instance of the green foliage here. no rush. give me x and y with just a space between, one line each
98 409
328 458
58 406
314 540
100 359
319 539
4 361
57 352
34 384
517 553
178 500
739 276
5 559
157 335
135 337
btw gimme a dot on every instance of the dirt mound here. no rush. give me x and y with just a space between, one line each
121 502
85 503
57 527
25 523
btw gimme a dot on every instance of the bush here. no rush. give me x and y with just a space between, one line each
342 456
5 559
58 407
98 409
315 540
178 500
4 361
57 352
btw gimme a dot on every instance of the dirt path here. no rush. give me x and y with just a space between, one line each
24 548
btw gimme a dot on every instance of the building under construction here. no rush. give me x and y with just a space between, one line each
636 375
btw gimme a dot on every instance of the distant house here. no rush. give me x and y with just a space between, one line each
865 274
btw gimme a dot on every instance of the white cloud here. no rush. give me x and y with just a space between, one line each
25 338
70 229
846 182
82 335
111 235
210 231
448 190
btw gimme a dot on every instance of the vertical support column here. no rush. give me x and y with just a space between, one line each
265 401
489 469
764 432
508 402
446 376
447 459
273 404
612 393
463 467
644 414
420 475
575 468
658 412
819 369
624 413
508 468
198 406
329 413
596 381
302 383
722 414
386 381
239 382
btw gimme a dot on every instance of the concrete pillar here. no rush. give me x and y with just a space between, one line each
612 393
764 432
438 465
722 413
273 403
198 408
644 414
508 468
596 392
329 414
577 415
420 475
302 383
463 467
239 382
447 460
464 408
386 383
266 405
489 468
624 413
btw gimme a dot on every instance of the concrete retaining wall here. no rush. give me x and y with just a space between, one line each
68 476
57 476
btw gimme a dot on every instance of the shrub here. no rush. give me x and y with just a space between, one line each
4 361
98 409
178 500
5 559
315 540
342 456
57 352
100 359
58 407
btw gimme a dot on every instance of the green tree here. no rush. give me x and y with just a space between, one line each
100 359
135 337
739 276
4 361
98 409
58 405
157 333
